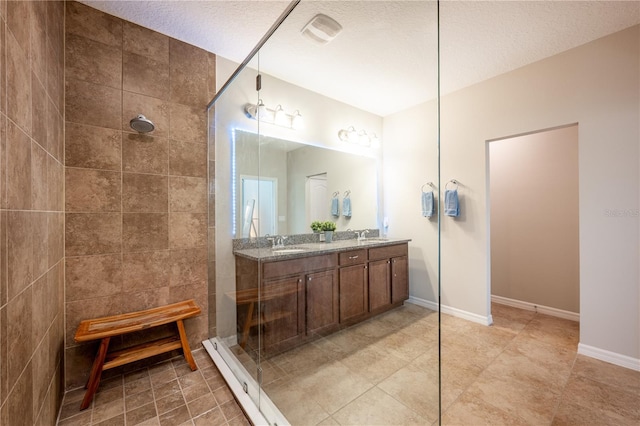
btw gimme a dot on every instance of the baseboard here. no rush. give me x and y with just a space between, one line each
459 313
610 357
546 310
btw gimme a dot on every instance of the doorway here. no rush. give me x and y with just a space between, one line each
259 197
316 201
534 229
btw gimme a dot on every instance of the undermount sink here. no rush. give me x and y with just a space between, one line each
374 239
288 251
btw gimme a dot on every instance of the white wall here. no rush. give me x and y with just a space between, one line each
596 86
534 219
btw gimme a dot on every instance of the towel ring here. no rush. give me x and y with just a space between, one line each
346 193
335 194
427 184
453 181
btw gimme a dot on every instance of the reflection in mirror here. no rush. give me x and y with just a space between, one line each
282 186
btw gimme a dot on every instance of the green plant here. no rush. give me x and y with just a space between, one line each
318 226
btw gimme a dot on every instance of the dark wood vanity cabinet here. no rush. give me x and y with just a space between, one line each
388 276
354 285
302 298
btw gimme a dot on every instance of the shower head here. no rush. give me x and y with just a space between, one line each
141 124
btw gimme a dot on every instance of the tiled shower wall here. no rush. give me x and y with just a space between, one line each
136 205
31 210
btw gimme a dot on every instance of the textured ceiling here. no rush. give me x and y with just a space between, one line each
384 59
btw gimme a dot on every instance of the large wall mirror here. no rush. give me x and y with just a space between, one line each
282 186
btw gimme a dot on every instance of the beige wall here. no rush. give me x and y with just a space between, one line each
595 85
534 218
136 205
31 211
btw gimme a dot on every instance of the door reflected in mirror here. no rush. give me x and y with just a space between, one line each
281 186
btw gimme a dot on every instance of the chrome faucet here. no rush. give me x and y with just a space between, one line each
279 241
362 235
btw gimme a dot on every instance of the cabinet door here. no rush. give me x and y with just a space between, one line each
379 284
281 315
399 279
321 300
354 298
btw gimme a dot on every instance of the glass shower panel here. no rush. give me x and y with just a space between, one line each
235 192
318 360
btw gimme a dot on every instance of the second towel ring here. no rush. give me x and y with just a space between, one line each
427 184
453 181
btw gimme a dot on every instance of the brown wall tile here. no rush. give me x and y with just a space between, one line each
55 173
78 310
55 74
55 132
145 270
187 230
55 230
18 169
87 277
188 123
3 267
39 321
93 233
88 22
212 210
39 40
211 80
19 312
89 190
19 405
4 361
19 16
40 245
187 159
92 147
3 160
144 193
93 104
3 69
187 194
145 231
188 266
18 85
39 178
145 154
154 109
188 74
78 360
41 378
145 299
19 251
145 76
39 111
145 42
93 61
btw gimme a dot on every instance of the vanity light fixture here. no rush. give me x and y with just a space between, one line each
276 116
362 138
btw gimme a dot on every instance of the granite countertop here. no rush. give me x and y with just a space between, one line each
313 249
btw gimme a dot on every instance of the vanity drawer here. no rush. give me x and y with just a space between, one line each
387 252
301 265
353 257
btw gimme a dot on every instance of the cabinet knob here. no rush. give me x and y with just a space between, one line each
365 266
388 261
309 278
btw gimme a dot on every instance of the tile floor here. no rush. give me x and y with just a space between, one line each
522 370
165 394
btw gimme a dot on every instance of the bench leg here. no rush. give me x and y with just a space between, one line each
247 326
185 346
96 372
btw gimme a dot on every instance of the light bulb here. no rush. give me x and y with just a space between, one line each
279 117
352 135
296 121
261 110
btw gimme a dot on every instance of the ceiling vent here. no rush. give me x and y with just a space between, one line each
321 29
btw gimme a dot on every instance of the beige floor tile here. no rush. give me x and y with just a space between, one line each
375 407
510 319
552 330
295 405
609 399
607 373
534 404
374 363
569 414
329 421
346 342
416 389
405 346
333 386
301 359
468 410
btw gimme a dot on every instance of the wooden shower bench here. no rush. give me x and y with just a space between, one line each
108 327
